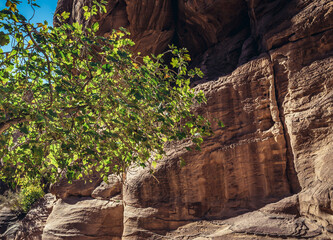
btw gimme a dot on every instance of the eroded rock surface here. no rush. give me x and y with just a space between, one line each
272 66
13 227
80 187
7 220
277 110
241 167
85 218
109 189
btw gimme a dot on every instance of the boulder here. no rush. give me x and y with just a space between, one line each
85 218
108 189
80 187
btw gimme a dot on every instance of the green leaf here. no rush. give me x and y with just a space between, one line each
65 15
4 39
24 129
89 104
174 62
95 26
154 164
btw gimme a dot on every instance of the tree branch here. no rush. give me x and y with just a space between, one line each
47 59
10 122
7 124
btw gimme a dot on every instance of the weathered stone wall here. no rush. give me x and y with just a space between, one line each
241 167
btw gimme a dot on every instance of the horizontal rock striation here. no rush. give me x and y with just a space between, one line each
85 218
13 227
93 213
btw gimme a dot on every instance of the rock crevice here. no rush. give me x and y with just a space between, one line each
277 112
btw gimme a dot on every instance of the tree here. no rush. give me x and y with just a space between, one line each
72 102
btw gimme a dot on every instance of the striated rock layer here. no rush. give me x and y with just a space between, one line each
269 78
31 227
85 218
241 167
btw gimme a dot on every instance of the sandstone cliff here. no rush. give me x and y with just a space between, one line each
268 173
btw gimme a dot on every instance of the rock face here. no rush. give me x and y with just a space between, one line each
85 218
80 187
31 226
7 220
241 168
86 212
269 78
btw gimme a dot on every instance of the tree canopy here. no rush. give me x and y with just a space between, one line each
73 102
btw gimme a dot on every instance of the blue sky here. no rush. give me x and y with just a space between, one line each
45 12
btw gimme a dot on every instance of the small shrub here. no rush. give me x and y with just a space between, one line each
28 196
22 200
